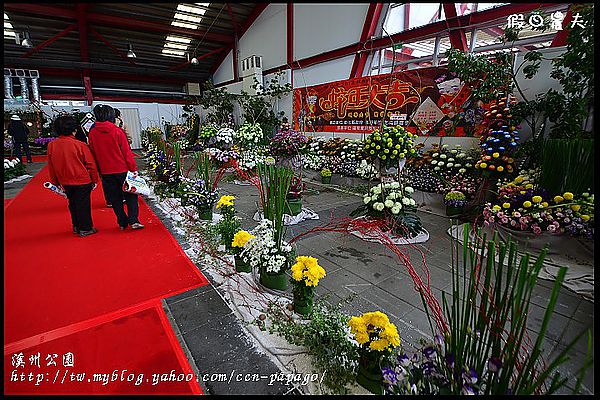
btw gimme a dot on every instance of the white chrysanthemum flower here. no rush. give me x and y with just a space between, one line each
462 170
443 156
395 210
378 206
450 165
434 162
441 164
366 199
405 201
435 155
409 190
394 185
389 203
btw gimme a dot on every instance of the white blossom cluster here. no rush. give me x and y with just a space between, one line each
312 161
350 149
366 170
390 196
222 156
262 252
249 159
11 163
455 160
249 134
225 136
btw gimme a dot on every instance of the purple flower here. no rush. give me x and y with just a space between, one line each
468 390
389 375
428 368
403 359
494 364
429 352
469 376
439 340
450 360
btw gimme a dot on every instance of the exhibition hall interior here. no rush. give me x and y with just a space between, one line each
298 198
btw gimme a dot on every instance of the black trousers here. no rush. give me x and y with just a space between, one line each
80 205
25 146
112 185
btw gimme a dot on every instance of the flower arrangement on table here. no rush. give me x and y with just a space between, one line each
306 273
249 135
194 192
13 167
222 157
230 223
287 144
392 202
43 141
178 132
240 239
389 146
377 337
534 210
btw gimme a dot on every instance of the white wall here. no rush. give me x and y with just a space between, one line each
225 71
323 27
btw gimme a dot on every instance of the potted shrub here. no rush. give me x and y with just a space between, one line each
455 202
326 175
194 192
377 337
306 273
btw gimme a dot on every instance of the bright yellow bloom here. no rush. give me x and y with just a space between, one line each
483 165
308 270
558 199
500 168
585 217
529 186
496 207
519 179
568 196
575 207
225 201
374 329
240 238
506 205
496 155
544 204
527 204
537 199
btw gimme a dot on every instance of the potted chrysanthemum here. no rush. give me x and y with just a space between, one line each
377 336
306 273
229 224
326 175
455 202
240 239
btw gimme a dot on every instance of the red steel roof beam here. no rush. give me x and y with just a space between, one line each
458 39
372 21
50 41
210 53
560 39
111 46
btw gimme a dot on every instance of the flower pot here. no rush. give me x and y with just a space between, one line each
454 211
326 179
240 265
303 299
205 214
369 372
293 206
278 281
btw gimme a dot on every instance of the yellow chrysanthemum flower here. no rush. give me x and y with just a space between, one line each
519 179
307 269
585 218
240 238
225 201
537 199
527 204
568 196
496 207
575 207
496 155
506 205
544 204
558 199
529 186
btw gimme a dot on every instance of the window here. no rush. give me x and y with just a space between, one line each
402 17
8 28
187 16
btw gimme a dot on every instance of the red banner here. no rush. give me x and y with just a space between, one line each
428 101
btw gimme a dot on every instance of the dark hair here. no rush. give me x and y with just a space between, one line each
117 113
104 112
65 125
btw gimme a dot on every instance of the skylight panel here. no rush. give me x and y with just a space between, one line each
184 25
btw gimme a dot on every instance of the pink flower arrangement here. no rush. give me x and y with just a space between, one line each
288 143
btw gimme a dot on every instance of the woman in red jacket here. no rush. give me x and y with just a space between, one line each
72 166
113 155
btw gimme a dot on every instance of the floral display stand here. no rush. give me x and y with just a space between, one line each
377 238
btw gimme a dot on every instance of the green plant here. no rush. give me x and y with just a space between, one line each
567 165
274 186
229 224
487 320
205 169
220 103
326 340
325 172
454 195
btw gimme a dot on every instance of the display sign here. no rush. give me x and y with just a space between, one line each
427 101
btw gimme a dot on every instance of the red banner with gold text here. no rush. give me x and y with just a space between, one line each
427 101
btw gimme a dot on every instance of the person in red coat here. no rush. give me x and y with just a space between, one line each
114 157
72 166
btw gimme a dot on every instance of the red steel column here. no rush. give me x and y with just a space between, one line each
458 39
560 39
369 27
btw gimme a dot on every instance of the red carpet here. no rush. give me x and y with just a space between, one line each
137 347
57 283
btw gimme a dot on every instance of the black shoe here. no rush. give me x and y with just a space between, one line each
137 225
76 231
122 228
87 233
